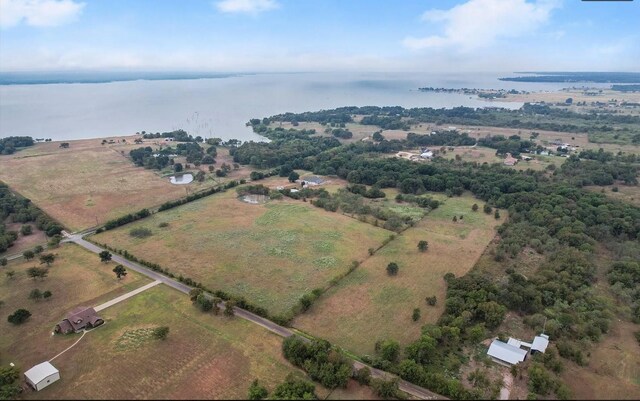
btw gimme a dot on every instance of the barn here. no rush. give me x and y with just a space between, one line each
42 375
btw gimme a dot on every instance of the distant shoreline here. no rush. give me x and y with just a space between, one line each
101 78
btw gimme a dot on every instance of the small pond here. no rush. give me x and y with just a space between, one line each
181 179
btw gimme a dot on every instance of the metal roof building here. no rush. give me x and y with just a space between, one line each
503 352
540 343
42 375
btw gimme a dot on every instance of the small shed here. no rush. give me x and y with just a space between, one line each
540 343
506 354
42 375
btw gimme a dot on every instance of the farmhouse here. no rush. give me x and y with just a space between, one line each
427 154
311 181
42 375
79 319
505 353
510 160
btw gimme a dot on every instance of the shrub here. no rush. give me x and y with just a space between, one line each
161 332
392 269
19 316
140 232
257 392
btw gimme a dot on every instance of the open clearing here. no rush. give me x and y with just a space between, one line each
88 183
76 278
271 253
204 356
369 305
614 367
626 193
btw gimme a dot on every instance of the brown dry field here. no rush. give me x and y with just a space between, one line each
77 277
614 367
628 194
24 242
368 305
271 253
86 184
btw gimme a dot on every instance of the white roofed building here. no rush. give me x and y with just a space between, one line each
540 343
42 375
504 353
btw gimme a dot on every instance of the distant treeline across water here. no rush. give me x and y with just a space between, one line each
596 77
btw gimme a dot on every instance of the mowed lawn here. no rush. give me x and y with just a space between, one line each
204 356
369 305
271 254
88 183
76 278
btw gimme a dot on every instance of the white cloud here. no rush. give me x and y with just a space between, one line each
479 23
40 13
253 7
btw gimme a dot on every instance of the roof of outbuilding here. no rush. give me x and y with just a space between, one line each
506 352
540 343
40 372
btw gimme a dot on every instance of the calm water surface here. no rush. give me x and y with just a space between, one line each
220 107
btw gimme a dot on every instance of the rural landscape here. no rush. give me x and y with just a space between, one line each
167 232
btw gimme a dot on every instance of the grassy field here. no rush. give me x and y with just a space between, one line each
369 305
204 356
614 367
629 194
77 277
271 254
88 183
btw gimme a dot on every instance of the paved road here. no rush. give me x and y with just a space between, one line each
405 386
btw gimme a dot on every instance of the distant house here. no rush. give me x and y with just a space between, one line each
540 343
427 154
79 319
506 354
42 375
510 160
311 181
526 158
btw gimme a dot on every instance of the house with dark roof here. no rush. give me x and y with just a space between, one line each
79 319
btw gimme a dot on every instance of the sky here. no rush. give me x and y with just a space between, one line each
319 35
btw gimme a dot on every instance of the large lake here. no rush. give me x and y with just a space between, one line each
220 107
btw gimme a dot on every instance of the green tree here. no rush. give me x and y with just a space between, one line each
432 300
392 269
294 389
389 350
416 314
37 272
496 214
3 261
120 271
228 308
257 391
26 229
204 303
28 255
540 381
474 207
47 258
35 294
293 176
386 389
363 376
105 256
9 389
19 316
423 246
455 219
38 249
487 209
194 293
177 167
47 294
161 333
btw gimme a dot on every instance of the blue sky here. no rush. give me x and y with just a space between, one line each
319 35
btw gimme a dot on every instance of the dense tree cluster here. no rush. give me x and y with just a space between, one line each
21 210
10 144
178 135
323 364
